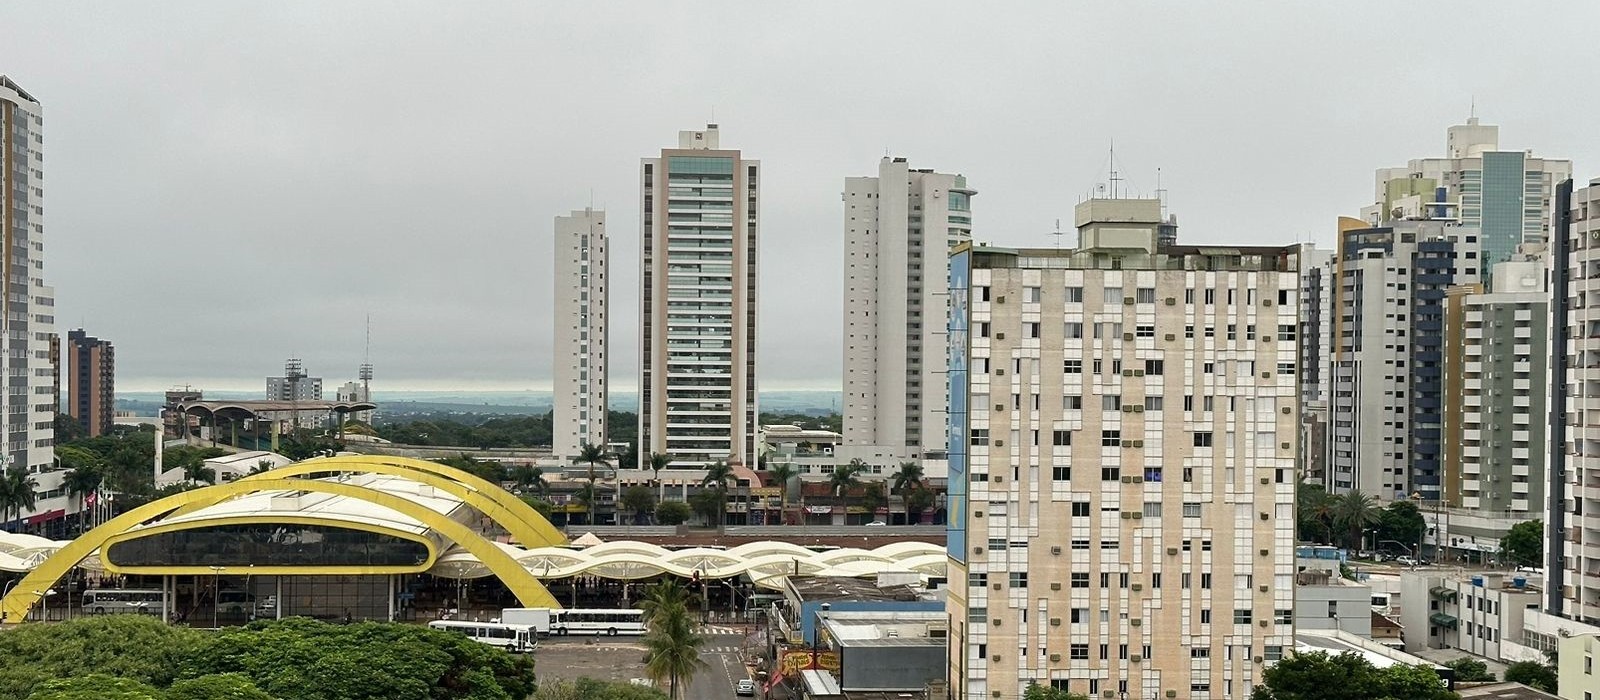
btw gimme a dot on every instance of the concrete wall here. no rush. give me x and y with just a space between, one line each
909 667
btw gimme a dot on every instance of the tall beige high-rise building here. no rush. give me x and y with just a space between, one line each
697 385
581 300
1122 463
898 231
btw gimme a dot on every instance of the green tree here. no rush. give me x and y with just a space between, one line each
68 429
95 687
707 505
1354 512
658 462
1533 674
846 477
1470 670
1045 692
719 476
84 479
591 455
222 686
544 507
133 647
1401 521
673 512
592 689
663 599
1314 512
906 480
488 470
1321 676
638 500
17 493
1523 545
199 473
781 474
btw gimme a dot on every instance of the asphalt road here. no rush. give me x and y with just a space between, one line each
726 665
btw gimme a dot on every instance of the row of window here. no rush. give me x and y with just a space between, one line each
1141 295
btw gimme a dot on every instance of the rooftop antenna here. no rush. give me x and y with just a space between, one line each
1115 178
1057 234
1161 195
1472 109
366 365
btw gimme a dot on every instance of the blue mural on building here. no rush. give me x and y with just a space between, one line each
956 523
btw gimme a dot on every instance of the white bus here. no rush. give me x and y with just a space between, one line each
122 600
496 634
608 622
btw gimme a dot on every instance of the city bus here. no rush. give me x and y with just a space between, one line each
121 600
606 622
496 634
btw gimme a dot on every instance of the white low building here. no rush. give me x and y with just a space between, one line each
229 467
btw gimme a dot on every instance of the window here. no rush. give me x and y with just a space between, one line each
1188 403
1072 366
1205 581
977 580
1250 332
1241 617
1191 510
1205 616
1030 295
1110 402
980 436
1285 368
1145 295
1233 332
1110 438
1202 439
1211 296
1061 473
980 329
1074 295
1019 579
1073 329
1080 615
1199 653
1111 295
1110 473
1144 331
1188 296
980 293
978 615
1079 651
1188 331
1072 403
1080 579
1080 509
1061 438
1152 403
1153 510
1286 331
1155 366
1030 329
1081 544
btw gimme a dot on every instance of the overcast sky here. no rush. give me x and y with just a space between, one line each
231 184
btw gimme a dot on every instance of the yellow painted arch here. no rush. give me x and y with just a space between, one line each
518 580
198 570
520 519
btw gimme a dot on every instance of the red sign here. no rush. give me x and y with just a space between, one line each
47 516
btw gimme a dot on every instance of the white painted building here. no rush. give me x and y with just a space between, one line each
697 386
29 318
581 315
1122 463
1573 518
1508 195
899 227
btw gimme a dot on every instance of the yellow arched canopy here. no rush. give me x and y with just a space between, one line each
517 579
518 518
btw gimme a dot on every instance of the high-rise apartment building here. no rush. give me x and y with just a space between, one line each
697 388
1572 517
1122 463
92 380
294 385
1317 323
898 231
1387 381
579 413
29 318
1506 195
1496 359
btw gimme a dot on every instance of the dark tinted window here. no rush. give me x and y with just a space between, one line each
264 544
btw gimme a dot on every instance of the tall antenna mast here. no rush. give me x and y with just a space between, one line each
1057 234
366 365
1115 178
1161 195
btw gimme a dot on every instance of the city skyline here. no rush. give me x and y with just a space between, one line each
316 126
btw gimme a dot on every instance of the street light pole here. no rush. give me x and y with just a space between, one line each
216 593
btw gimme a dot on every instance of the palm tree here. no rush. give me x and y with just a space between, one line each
1314 510
16 493
262 467
1355 511
199 473
782 472
81 482
718 477
658 462
591 455
537 483
845 477
908 479
672 648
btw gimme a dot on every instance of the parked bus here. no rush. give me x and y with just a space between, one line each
496 634
545 621
121 600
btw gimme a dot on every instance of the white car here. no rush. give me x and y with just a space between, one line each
1405 561
877 523
745 687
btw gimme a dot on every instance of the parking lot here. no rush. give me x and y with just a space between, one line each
606 658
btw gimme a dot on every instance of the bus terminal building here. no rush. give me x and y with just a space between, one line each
370 537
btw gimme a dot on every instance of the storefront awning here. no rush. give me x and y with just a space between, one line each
1443 620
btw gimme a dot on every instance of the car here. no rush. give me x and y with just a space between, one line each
1406 561
877 523
745 687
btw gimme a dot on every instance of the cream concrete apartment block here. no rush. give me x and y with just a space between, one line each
1131 441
